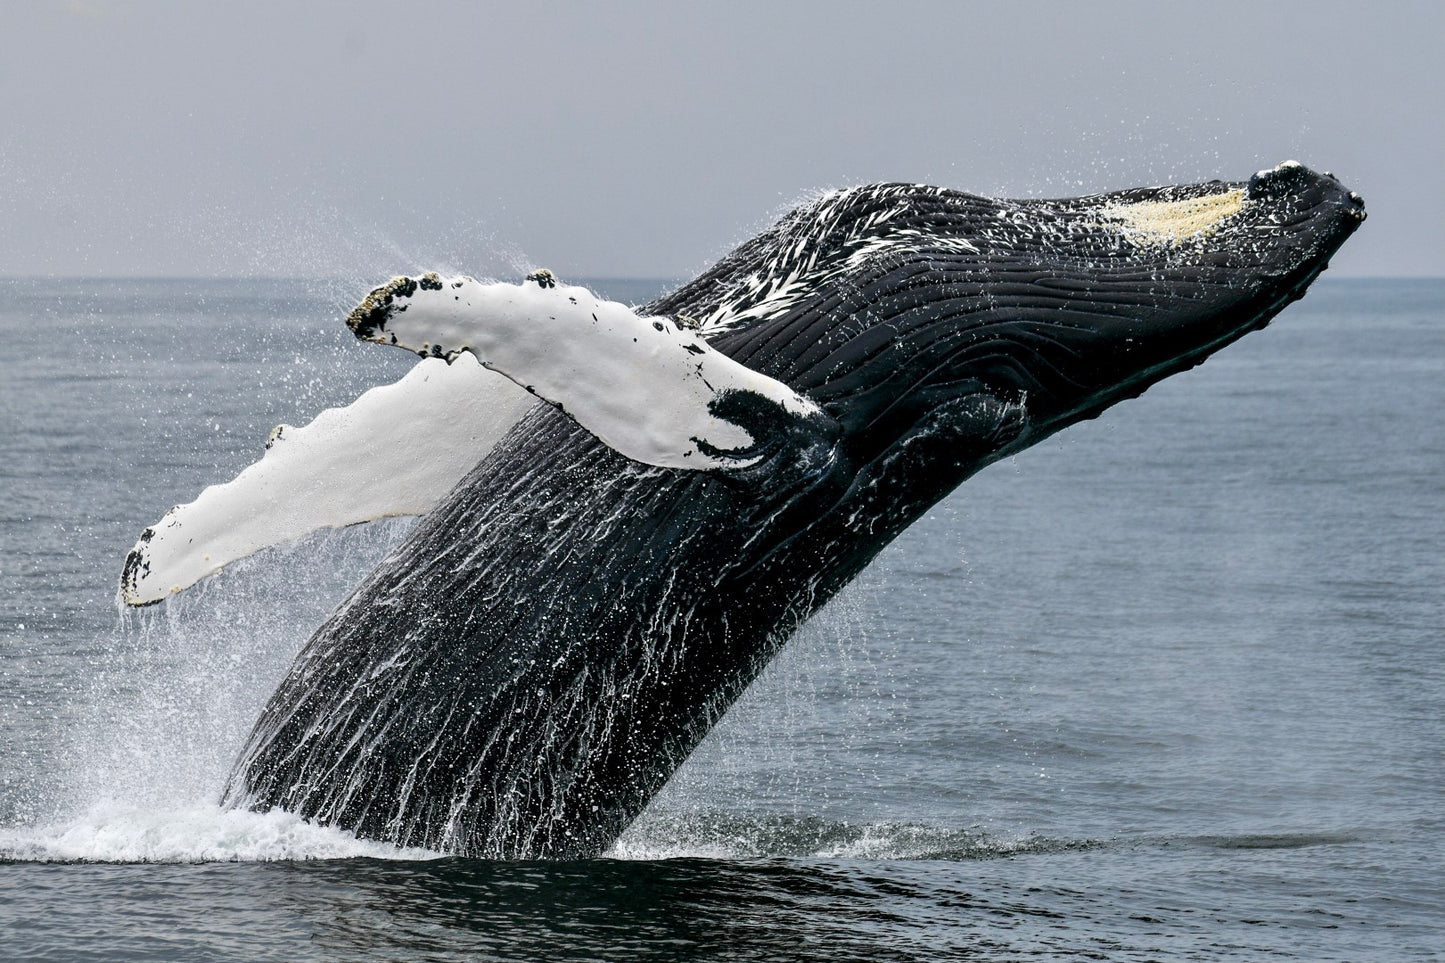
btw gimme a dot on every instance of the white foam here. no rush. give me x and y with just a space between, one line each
197 833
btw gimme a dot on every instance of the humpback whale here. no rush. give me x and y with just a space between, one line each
627 512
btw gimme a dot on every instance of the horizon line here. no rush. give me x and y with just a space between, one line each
580 276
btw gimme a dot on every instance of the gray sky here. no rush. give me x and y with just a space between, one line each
363 139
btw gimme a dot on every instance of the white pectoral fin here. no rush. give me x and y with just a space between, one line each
396 450
647 387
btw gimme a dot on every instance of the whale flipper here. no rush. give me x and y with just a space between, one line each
649 387
396 450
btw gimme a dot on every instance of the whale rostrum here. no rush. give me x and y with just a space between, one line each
600 573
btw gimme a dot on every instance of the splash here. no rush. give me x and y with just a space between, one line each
139 773
112 832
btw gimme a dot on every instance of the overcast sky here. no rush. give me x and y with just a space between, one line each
363 138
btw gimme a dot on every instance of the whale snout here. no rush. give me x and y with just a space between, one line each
1292 183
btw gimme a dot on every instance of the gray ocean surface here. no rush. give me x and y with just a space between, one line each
1170 686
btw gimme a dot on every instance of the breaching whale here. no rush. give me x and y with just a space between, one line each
598 575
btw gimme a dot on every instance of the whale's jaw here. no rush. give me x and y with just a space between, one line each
554 639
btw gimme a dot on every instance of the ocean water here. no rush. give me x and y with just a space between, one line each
1169 686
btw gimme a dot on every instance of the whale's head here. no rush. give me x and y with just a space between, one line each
965 328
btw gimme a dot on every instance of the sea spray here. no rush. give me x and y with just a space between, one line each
175 692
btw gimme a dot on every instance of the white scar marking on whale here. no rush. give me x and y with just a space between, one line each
1173 222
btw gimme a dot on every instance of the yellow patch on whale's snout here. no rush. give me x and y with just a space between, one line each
1172 222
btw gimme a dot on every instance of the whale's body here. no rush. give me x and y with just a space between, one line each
557 635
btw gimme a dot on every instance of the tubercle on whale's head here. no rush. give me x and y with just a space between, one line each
891 304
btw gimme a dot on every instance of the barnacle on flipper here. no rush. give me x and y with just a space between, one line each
369 317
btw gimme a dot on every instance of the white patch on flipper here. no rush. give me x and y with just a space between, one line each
396 450
642 385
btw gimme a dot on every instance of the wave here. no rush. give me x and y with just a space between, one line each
732 836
